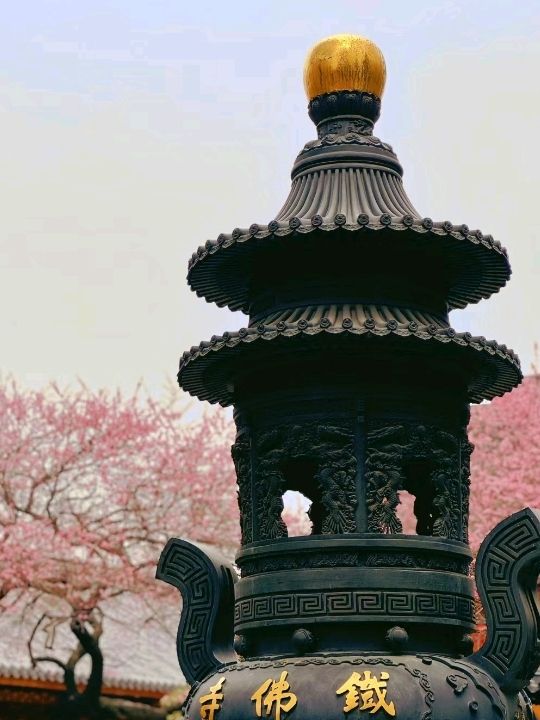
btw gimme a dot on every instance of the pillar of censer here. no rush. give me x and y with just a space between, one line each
350 386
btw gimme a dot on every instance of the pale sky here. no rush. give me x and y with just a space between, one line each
133 131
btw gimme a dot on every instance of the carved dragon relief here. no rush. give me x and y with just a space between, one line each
241 452
317 459
425 461
466 452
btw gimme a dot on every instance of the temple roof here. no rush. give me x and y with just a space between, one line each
138 654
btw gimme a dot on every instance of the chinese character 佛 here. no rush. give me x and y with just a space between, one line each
274 696
369 691
211 703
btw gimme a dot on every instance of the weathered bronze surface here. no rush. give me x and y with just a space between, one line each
350 385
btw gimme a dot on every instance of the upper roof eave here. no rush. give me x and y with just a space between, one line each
217 271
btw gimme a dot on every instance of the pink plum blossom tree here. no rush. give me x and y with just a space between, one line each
91 487
505 464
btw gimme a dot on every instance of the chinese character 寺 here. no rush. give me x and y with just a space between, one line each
369 691
211 703
272 693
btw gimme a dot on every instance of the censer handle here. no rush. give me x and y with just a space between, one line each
206 630
507 572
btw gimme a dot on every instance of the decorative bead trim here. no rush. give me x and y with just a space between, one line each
464 292
508 363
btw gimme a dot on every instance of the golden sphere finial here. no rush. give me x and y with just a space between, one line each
344 62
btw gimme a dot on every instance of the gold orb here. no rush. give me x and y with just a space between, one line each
344 62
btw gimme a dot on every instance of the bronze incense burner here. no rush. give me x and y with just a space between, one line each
350 386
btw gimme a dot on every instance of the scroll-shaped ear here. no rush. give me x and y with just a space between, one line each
206 582
507 572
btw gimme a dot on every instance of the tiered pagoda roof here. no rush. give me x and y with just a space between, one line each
348 255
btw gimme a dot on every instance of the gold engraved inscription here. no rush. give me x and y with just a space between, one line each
274 697
364 691
211 703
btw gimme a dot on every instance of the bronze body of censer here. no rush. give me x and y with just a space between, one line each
350 386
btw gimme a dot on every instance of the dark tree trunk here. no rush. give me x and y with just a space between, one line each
89 704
